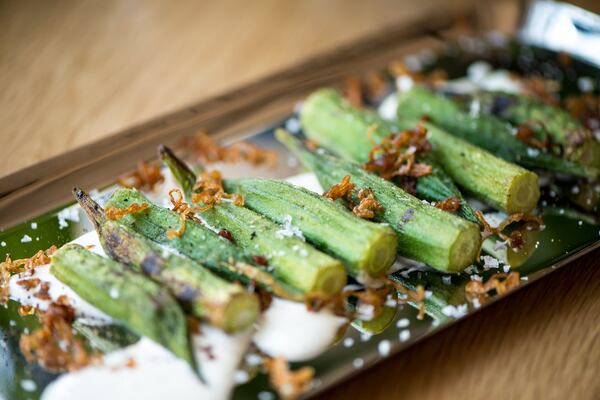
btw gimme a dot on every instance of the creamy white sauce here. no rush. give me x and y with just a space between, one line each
288 329
157 373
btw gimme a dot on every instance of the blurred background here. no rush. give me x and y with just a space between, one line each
72 72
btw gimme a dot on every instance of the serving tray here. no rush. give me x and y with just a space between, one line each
35 211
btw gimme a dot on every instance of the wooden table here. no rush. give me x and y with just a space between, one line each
71 73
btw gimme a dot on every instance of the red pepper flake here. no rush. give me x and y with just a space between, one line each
29 284
450 204
209 351
54 346
289 384
224 233
116 213
205 149
260 260
145 177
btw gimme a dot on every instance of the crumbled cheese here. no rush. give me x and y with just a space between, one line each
114 293
524 278
3 244
474 108
34 225
365 337
28 385
384 347
506 268
490 262
476 278
585 84
289 230
532 152
471 269
403 323
67 214
365 312
404 83
292 125
26 239
476 302
404 335
455 312
240 376
265 396
253 359
348 342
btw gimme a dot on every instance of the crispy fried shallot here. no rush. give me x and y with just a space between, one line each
340 190
10 267
116 213
289 384
586 108
209 190
396 154
501 283
205 149
515 239
450 204
435 78
526 134
145 177
185 212
54 346
367 203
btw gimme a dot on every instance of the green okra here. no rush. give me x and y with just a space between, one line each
425 233
141 304
225 305
503 185
198 242
547 121
483 130
363 246
346 131
293 261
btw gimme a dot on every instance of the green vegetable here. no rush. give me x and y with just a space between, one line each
547 121
293 261
130 297
485 131
501 184
363 246
197 242
207 296
425 233
336 125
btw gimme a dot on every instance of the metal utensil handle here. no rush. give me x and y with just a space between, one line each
563 27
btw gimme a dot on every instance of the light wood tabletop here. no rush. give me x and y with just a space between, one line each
74 72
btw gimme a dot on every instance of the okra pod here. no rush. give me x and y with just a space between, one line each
198 242
206 296
483 130
425 233
144 306
547 121
350 133
364 247
293 261
503 185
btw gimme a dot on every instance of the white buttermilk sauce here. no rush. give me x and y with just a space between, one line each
288 329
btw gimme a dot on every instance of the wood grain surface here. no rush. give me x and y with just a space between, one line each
73 72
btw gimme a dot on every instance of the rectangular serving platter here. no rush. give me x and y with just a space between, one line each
36 211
